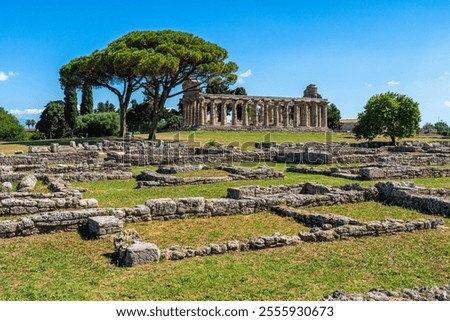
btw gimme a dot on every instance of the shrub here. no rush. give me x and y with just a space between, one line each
97 125
52 121
37 136
10 128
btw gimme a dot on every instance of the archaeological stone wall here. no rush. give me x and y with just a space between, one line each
424 293
180 208
31 203
149 178
408 195
246 200
48 158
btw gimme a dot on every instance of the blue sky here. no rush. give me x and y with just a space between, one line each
350 49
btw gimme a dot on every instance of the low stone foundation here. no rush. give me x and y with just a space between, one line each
407 194
245 200
327 228
254 243
150 178
425 293
31 203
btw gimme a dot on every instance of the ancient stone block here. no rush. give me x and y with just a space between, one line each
6 187
100 226
190 205
162 206
141 253
27 183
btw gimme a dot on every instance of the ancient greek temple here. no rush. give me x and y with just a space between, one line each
216 111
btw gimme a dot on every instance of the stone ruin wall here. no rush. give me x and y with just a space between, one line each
246 200
32 203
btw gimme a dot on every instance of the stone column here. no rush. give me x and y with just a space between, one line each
304 114
296 115
266 107
325 115
201 116
234 113
244 114
195 113
286 114
189 114
270 109
213 119
275 114
223 114
314 115
205 112
255 114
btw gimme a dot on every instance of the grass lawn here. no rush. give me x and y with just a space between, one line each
63 266
243 139
371 211
35 268
239 138
124 193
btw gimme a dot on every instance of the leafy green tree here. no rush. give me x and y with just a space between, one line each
442 128
30 123
138 117
239 91
10 128
334 117
223 88
97 125
116 69
52 121
105 107
391 115
428 126
157 61
70 106
174 122
87 100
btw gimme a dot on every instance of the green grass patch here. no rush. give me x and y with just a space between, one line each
203 173
123 193
34 268
202 231
370 211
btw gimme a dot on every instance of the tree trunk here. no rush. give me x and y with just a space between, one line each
393 140
153 125
123 120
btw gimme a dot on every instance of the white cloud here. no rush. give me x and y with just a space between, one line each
6 75
369 85
28 111
393 83
447 103
447 73
243 75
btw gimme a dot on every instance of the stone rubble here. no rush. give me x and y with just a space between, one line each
424 293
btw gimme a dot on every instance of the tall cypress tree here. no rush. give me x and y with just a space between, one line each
70 106
87 101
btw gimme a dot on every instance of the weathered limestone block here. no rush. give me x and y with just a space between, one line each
131 251
27 183
190 205
101 226
8 228
141 253
162 207
6 187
